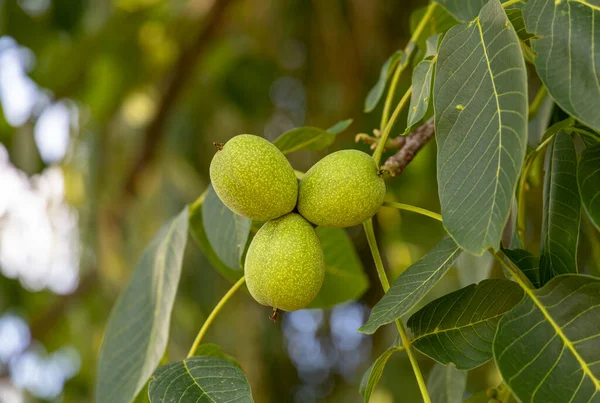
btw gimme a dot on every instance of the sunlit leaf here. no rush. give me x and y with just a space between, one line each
480 97
459 327
340 126
197 230
446 384
431 45
527 263
376 92
138 328
562 208
373 374
566 55
548 347
412 285
421 92
304 138
345 278
226 231
200 379
588 179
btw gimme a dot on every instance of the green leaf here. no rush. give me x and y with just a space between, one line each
376 92
138 327
373 374
515 15
566 55
340 126
527 263
588 179
213 350
432 44
548 347
459 327
440 22
473 269
446 384
421 93
412 285
345 278
480 99
463 10
197 230
226 231
200 379
562 208
304 138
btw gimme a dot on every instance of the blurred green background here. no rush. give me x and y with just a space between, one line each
109 111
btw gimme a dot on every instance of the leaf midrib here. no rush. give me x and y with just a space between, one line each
497 178
458 327
306 143
564 338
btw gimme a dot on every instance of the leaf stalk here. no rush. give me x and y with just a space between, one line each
213 315
406 342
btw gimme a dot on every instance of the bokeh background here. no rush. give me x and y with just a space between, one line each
108 114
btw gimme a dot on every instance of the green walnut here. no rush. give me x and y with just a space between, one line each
285 265
341 190
253 178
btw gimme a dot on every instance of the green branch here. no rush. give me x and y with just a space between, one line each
406 342
388 128
214 314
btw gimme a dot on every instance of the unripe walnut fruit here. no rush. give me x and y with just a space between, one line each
253 178
285 264
341 190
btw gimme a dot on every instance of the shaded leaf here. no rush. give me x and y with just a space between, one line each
412 285
421 93
446 384
138 328
562 207
588 179
473 269
441 21
432 44
515 15
199 379
304 138
376 92
340 126
373 374
213 350
480 97
459 327
226 231
345 278
199 235
548 347
527 263
463 10
565 56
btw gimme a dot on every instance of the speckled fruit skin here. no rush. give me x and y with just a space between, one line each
285 265
253 178
341 190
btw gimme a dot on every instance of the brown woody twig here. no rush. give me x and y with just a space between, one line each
408 146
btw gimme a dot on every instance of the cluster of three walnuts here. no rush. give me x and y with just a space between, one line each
284 265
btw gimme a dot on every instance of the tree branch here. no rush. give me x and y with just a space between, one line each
408 146
181 72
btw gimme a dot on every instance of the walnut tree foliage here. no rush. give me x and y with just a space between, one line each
474 64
